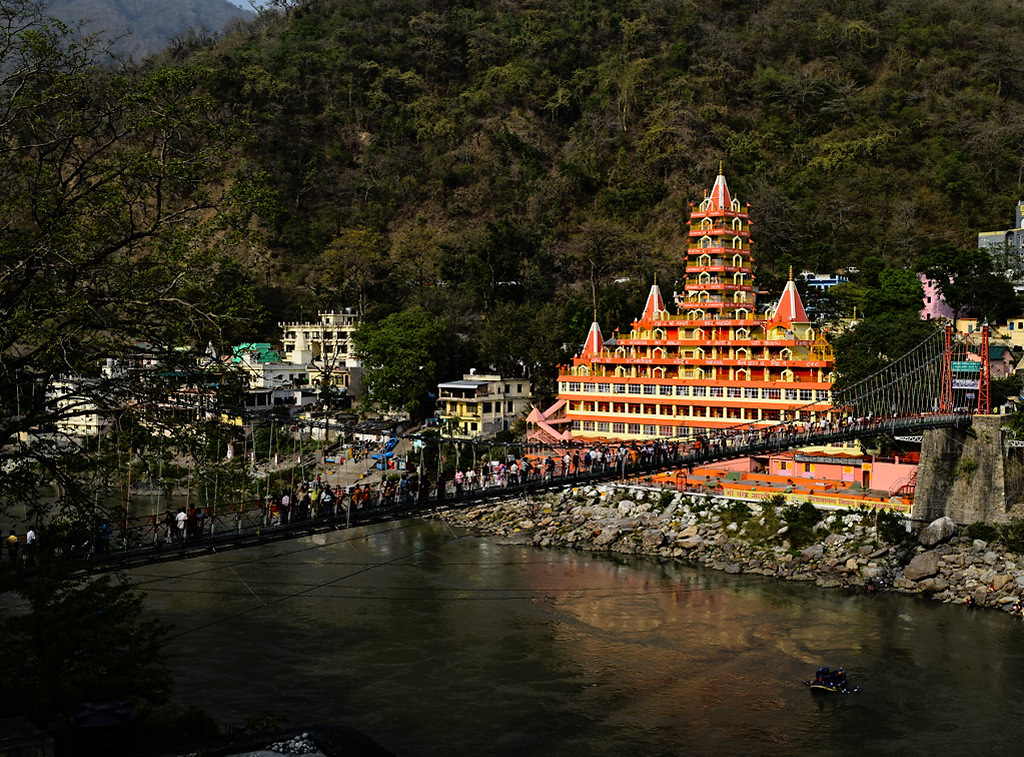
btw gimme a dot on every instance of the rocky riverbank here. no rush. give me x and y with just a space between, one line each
841 549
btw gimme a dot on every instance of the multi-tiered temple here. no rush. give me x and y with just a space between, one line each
715 363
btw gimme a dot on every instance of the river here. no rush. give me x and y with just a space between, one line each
436 642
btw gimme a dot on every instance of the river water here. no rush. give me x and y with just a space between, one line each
436 642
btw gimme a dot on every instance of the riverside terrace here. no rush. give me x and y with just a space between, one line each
148 540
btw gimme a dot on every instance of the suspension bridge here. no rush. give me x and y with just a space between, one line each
941 383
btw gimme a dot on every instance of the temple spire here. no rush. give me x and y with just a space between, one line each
655 305
595 340
721 199
790 309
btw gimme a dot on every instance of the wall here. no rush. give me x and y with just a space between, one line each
968 475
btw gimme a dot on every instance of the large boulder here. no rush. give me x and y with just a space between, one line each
937 531
923 565
813 552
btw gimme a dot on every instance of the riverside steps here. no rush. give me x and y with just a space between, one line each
146 540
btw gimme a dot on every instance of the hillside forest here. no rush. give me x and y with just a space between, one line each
497 172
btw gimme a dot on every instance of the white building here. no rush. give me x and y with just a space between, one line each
325 348
479 406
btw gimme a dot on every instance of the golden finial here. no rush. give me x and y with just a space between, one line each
719 168
655 278
595 315
791 273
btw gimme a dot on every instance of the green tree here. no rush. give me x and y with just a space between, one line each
83 640
110 245
966 281
402 356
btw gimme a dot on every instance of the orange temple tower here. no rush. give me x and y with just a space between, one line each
716 363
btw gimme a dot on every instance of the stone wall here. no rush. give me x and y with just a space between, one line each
968 475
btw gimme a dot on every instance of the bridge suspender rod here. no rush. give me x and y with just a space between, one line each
984 388
946 400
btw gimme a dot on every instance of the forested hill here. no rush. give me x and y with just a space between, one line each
147 26
502 163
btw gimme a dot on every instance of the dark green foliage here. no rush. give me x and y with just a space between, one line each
1006 387
968 283
801 520
82 641
528 158
892 528
403 355
735 512
1012 535
983 531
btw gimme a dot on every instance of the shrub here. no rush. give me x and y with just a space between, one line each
735 512
983 531
1013 535
801 520
891 528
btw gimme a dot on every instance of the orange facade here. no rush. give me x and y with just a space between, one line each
716 362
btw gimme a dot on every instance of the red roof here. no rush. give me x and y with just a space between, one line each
655 304
595 341
720 197
790 309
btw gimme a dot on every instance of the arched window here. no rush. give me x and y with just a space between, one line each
659 333
737 224
705 242
737 243
704 278
742 314
786 354
704 259
742 333
737 260
787 375
706 223
743 354
743 374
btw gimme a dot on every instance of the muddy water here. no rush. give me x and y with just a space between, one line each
438 643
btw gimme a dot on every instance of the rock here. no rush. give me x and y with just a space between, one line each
653 539
933 585
938 531
979 546
813 552
990 558
1006 600
782 531
852 564
979 595
606 537
923 565
690 542
689 531
904 583
999 581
